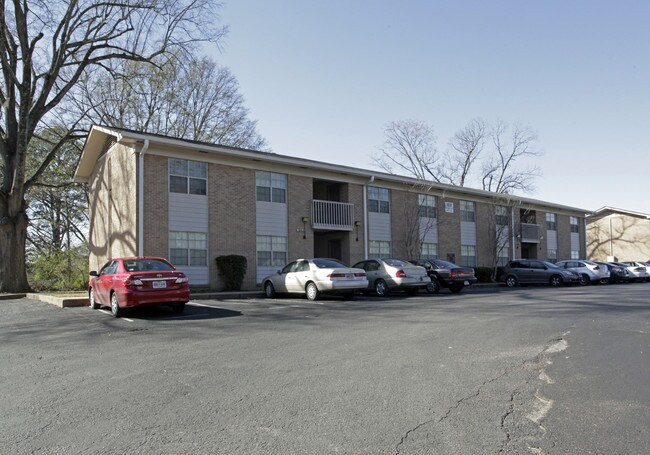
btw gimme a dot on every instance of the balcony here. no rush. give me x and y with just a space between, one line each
333 216
530 233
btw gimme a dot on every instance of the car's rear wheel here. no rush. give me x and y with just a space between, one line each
433 287
381 288
511 281
116 311
269 290
312 291
456 289
555 281
584 279
178 307
92 303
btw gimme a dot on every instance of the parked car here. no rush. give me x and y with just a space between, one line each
138 281
638 271
444 274
529 271
617 274
314 277
389 274
589 271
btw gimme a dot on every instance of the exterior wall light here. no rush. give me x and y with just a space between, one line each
304 226
356 227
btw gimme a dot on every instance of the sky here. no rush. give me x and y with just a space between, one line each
324 78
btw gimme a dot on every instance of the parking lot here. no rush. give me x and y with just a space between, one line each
492 370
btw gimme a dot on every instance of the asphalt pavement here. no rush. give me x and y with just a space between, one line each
493 370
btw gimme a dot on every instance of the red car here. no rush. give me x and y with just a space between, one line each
133 282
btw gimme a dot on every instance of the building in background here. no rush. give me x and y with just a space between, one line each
618 235
191 202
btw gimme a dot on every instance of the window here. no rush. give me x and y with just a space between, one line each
271 251
378 249
552 255
501 215
575 254
271 187
503 256
551 221
378 200
468 255
429 251
467 210
188 248
427 206
575 227
188 177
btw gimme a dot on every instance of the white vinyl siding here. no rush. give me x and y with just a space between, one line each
188 214
551 240
271 223
379 226
467 223
271 219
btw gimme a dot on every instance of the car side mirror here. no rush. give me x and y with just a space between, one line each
93 273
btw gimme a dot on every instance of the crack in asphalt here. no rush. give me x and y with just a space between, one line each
536 365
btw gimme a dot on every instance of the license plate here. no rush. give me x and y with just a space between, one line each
466 283
159 284
349 276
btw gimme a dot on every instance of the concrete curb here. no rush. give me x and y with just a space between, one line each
61 302
11 296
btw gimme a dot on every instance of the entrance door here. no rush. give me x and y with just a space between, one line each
334 249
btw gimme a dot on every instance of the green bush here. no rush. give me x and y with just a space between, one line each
483 274
58 270
233 269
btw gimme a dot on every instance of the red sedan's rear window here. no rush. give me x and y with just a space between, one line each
144 265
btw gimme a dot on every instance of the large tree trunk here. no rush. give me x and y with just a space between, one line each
13 236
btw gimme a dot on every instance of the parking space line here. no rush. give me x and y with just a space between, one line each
110 314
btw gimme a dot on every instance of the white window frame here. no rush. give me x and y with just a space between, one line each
468 211
501 214
503 256
575 254
427 206
551 222
575 224
277 248
191 171
466 259
378 199
275 183
378 249
429 250
192 243
551 254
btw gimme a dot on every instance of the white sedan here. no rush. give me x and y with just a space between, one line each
313 277
635 272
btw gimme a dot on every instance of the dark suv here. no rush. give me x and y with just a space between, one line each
531 271
446 275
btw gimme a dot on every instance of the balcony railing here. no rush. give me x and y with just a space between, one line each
330 215
530 233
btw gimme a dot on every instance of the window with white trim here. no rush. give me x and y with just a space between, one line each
501 215
271 251
378 249
551 222
429 251
575 226
271 187
427 206
378 200
575 254
467 211
468 255
552 255
188 177
188 248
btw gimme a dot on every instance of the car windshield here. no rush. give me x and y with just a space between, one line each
396 262
550 265
142 265
328 263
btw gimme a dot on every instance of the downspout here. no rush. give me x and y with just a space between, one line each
143 150
513 234
365 216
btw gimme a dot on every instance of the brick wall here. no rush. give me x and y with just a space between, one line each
448 229
299 196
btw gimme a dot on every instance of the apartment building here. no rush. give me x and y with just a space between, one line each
191 202
618 235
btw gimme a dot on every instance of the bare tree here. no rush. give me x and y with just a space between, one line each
419 219
478 155
182 96
410 147
46 47
511 145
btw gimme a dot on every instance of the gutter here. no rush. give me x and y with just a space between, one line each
143 150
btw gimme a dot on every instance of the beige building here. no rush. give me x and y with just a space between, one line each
191 202
618 235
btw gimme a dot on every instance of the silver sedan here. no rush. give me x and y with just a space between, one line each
389 274
313 277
